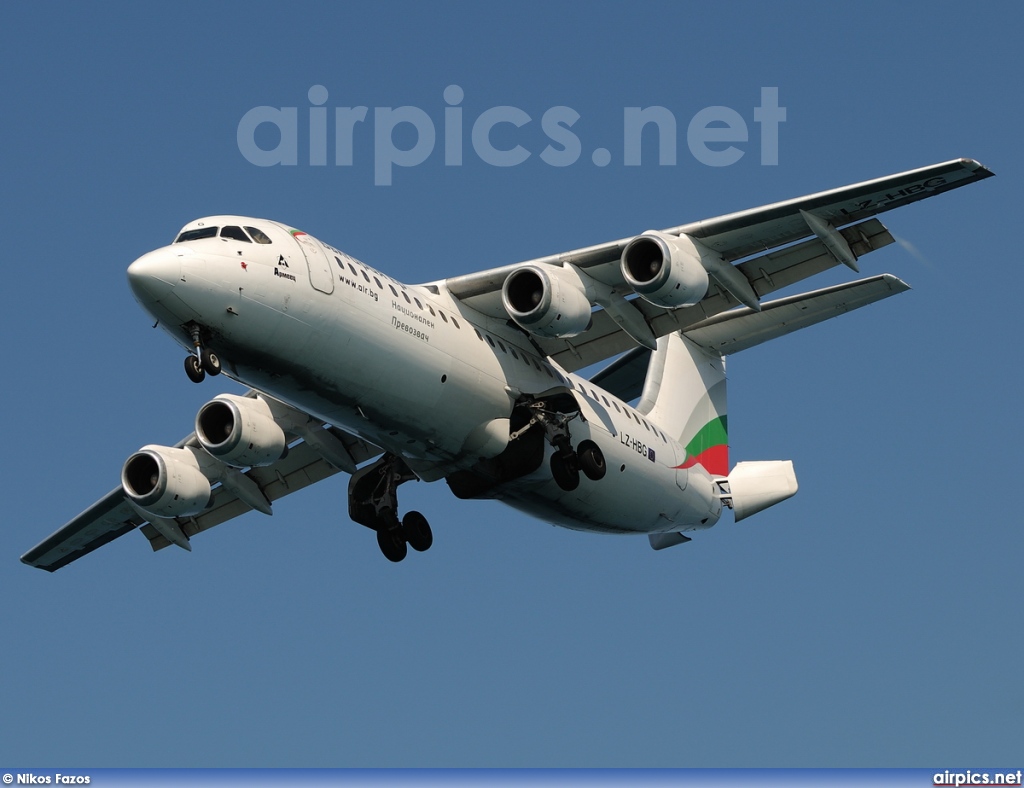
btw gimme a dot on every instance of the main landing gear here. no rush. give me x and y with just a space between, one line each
373 502
203 362
566 463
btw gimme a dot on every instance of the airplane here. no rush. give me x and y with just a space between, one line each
474 379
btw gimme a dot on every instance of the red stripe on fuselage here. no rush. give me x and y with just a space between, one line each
715 460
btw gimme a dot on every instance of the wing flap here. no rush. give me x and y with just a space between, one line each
741 329
744 328
777 270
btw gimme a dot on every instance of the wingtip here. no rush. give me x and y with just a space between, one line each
896 284
977 167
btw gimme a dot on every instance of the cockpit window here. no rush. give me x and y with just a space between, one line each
258 235
235 233
197 234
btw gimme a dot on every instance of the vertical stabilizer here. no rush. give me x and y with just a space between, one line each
684 394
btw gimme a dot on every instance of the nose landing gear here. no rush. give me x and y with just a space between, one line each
373 502
204 362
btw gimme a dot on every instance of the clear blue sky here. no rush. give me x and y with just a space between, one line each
873 620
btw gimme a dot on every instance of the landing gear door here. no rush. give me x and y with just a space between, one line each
320 275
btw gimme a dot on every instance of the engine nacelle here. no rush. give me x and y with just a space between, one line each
546 301
665 269
165 482
240 431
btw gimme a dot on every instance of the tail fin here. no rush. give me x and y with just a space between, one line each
684 394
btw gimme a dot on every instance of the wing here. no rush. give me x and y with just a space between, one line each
741 329
322 451
762 250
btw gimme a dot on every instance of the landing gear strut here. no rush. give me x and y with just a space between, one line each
554 416
373 502
204 362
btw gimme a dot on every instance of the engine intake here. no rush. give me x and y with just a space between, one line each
240 431
166 482
548 301
665 269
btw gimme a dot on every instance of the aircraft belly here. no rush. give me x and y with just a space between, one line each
638 494
406 388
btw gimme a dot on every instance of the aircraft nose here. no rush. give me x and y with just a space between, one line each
154 275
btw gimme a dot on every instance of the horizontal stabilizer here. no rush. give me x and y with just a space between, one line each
754 486
744 328
740 329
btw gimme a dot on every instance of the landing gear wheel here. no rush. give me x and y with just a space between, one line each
210 362
392 544
194 370
591 460
417 531
565 473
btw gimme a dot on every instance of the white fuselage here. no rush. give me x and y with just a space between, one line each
409 369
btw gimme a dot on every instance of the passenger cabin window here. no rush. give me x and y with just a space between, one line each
235 234
258 235
196 235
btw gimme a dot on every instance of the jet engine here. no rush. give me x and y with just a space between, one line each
546 301
165 482
240 431
665 269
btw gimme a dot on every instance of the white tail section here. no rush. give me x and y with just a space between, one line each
685 395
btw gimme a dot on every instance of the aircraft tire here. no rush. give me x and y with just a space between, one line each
417 531
392 544
566 476
591 460
210 362
194 370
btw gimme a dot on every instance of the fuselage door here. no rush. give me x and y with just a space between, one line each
320 275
